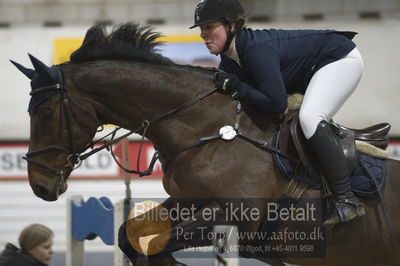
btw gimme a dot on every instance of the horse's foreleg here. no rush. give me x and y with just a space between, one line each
190 232
142 228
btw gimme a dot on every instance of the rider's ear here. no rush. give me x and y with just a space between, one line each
233 27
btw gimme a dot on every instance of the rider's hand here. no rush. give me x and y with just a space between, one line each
227 83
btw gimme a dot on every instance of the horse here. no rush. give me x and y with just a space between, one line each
121 79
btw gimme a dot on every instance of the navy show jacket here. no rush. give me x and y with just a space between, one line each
275 63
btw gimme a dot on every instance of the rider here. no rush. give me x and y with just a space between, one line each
263 66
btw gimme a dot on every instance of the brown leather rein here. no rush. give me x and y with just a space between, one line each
73 157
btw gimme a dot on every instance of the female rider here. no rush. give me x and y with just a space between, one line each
263 66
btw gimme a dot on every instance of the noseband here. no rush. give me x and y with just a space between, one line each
65 114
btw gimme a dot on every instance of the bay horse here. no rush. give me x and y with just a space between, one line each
121 79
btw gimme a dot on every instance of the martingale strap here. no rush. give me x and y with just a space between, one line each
204 140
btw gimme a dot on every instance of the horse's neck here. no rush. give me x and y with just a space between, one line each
127 94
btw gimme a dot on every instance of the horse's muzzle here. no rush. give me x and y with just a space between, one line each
43 193
50 192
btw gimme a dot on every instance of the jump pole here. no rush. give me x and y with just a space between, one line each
75 249
225 245
122 207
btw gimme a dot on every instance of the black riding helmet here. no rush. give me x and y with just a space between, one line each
212 10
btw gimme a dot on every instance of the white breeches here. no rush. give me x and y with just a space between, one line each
328 89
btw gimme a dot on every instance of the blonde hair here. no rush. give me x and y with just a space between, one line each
34 235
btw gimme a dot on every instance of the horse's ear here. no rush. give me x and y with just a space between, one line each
27 71
40 67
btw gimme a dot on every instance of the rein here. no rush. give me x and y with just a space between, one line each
74 157
144 127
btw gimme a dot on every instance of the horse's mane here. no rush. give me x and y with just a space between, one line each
128 41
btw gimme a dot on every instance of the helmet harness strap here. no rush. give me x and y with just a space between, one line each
229 37
231 34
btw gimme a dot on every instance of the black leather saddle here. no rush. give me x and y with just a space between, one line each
293 143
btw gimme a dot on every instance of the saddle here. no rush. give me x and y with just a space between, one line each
292 142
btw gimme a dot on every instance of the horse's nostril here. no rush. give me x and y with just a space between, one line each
41 191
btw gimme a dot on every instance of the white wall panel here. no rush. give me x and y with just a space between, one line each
370 5
12 13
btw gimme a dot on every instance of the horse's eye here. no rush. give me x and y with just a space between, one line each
46 114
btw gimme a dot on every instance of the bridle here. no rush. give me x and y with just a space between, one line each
66 114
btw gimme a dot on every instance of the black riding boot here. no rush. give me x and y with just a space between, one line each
330 155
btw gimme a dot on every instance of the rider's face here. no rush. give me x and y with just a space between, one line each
214 35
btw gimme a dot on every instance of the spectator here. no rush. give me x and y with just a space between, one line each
35 242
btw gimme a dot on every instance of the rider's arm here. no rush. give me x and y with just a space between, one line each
269 93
